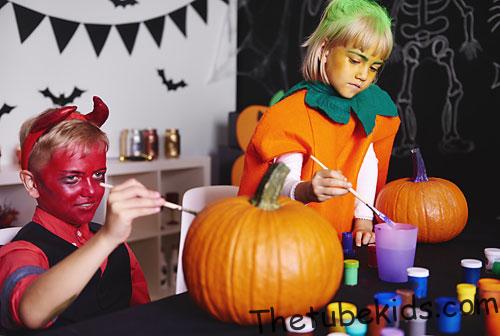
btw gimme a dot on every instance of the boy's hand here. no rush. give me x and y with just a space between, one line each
126 202
326 184
363 232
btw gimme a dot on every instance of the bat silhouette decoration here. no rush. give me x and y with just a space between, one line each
124 3
5 109
169 83
62 100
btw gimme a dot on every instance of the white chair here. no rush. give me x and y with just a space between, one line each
196 199
7 234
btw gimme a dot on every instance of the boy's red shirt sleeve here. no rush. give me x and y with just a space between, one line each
22 262
140 293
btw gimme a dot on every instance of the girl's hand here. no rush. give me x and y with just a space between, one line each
326 184
126 202
363 232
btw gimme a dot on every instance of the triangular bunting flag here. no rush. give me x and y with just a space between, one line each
155 27
98 35
179 18
27 20
2 3
63 30
128 32
226 1
200 6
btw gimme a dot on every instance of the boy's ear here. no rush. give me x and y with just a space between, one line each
29 183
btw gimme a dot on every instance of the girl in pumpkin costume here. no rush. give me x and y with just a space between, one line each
338 115
61 268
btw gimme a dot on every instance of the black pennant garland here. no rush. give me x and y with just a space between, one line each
63 31
128 32
200 6
27 20
155 27
98 35
179 18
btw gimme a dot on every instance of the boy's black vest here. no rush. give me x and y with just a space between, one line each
105 292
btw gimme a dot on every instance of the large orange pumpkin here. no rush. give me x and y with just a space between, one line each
243 255
437 206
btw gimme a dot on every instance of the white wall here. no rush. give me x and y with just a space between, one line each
129 84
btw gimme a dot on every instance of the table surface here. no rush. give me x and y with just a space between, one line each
179 315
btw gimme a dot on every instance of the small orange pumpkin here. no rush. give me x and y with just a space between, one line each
243 255
436 206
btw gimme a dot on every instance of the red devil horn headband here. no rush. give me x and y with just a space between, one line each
45 122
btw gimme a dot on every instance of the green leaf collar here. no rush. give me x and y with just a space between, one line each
366 104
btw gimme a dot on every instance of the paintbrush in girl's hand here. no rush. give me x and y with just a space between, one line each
169 205
377 212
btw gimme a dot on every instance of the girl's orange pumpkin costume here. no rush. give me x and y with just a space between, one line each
293 126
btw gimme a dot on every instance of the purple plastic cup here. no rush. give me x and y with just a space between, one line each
395 250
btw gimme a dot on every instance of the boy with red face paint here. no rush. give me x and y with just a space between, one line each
62 268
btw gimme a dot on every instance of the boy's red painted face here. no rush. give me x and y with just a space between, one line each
68 185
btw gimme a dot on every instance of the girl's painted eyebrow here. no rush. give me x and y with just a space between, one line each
364 57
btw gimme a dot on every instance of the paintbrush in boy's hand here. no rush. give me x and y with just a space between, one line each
169 205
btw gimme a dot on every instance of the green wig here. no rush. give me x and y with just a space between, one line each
363 24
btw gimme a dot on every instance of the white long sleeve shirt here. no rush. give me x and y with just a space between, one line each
366 184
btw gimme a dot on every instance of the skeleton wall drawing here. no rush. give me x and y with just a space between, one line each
427 37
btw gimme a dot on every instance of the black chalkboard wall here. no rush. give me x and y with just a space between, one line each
450 53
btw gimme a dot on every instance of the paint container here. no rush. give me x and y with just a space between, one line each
356 328
392 332
415 321
417 277
395 250
372 256
375 327
337 334
407 298
496 268
492 254
351 272
466 293
471 270
393 301
299 325
340 314
489 292
348 245
448 314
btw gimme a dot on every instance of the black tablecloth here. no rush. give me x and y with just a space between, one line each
178 315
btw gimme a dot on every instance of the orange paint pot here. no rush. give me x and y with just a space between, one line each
374 327
489 297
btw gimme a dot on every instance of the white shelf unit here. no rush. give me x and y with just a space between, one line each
153 239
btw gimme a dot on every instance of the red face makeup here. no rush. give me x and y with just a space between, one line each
69 184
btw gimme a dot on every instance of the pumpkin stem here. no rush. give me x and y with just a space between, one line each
270 187
419 172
